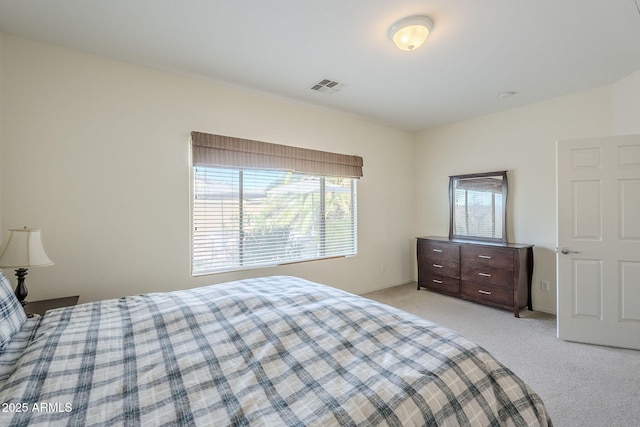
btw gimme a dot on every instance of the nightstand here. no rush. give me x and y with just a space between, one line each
40 307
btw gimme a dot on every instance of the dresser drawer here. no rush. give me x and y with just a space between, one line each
486 255
434 250
486 274
487 293
449 285
442 267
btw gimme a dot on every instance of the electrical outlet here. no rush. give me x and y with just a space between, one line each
544 285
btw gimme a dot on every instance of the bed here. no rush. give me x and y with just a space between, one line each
268 352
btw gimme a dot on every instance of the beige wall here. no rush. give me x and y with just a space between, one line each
1 128
96 153
626 105
521 141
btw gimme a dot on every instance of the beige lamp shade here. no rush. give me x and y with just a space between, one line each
24 249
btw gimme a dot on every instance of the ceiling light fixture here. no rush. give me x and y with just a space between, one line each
411 33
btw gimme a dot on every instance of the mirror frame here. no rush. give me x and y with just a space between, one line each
452 181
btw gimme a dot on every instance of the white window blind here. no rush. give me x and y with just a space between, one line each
247 218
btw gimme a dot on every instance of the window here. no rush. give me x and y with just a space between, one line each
249 218
477 212
478 206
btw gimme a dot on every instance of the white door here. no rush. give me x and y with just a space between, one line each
599 240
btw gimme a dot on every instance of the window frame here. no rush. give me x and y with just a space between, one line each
240 265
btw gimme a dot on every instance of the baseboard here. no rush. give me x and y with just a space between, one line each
391 286
544 310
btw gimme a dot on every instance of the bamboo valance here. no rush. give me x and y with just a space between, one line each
219 150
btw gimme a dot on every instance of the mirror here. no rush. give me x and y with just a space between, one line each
477 204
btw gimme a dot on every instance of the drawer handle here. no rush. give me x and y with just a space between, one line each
437 250
484 292
485 256
437 281
437 265
484 274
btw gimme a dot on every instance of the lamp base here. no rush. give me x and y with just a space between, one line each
21 291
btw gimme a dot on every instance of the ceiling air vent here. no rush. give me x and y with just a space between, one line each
327 86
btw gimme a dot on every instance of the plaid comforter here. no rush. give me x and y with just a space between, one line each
268 352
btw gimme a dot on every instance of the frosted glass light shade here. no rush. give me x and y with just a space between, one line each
411 33
24 249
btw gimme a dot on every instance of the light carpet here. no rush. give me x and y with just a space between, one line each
582 385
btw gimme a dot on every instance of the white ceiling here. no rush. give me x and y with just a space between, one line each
478 49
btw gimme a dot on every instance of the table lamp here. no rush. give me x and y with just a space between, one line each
24 249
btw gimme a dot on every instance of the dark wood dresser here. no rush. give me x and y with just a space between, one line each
498 275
